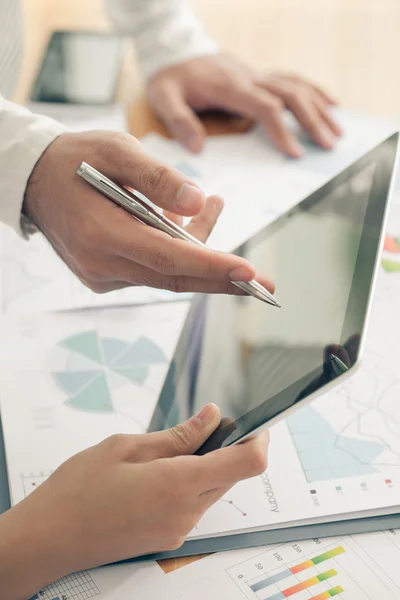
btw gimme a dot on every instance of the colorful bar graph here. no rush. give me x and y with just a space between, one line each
329 593
260 585
286 573
317 560
303 585
301 567
307 564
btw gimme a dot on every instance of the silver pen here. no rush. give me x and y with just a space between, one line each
148 215
338 365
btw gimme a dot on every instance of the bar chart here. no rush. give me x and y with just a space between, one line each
305 584
310 570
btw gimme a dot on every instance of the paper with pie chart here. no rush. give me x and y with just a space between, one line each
70 380
97 365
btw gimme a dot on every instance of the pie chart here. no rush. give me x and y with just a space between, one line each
94 366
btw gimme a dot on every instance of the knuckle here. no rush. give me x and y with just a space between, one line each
178 121
205 271
182 436
275 105
226 83
258 462
92 273
107 147
178 284
116 443
162 262
156 179
294 95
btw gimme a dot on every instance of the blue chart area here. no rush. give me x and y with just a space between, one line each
324 454
188 170
95 366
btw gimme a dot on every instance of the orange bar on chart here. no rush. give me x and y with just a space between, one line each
302 567
303 585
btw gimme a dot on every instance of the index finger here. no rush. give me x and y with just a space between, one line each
160 252
227 466
258 104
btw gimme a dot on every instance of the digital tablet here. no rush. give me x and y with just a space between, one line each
257 362
79 67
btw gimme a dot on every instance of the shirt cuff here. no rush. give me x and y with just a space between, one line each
24 138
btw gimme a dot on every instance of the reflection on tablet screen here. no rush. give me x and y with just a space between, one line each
255 361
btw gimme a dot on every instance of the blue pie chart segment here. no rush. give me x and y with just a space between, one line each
72 382
95 397
142 352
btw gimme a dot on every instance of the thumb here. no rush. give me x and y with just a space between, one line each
185 438
180 120
126 161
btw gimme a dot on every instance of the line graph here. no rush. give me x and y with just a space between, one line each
235 506
355 429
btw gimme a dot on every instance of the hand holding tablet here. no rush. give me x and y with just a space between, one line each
259 366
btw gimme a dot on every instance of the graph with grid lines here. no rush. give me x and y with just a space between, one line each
78 586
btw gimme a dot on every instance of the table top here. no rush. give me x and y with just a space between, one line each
335 43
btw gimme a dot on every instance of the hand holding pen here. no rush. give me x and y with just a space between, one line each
105 246
146 214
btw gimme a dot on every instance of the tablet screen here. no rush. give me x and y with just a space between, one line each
256 361
79 67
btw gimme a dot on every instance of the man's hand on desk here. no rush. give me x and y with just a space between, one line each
104 245
127 496
220 82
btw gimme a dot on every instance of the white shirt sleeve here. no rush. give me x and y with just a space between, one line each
24 137
166 32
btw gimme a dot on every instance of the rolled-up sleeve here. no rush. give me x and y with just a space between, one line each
166 32
24 137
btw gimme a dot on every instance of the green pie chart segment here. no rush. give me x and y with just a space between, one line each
93 367
136 374
95 397
86 344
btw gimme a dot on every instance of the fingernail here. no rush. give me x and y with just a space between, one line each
218 206
189 197
296 150
240 274
206 415
327 138
194 144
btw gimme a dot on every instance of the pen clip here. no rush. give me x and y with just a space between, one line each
129 196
